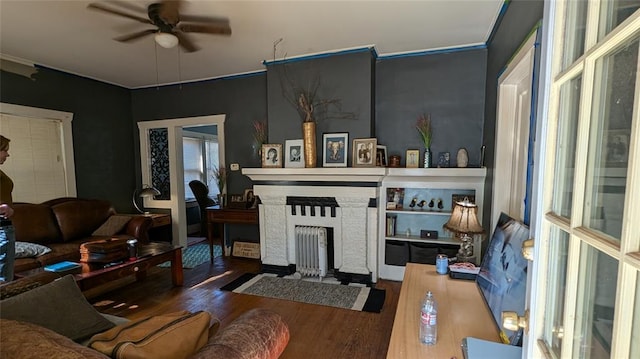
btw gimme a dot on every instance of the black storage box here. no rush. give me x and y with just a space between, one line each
424 253
450 250
396 253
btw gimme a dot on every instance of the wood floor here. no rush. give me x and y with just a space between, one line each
316 331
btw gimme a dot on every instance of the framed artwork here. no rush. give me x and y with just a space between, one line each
335 149
251 200
617 149
272 155
381 156
443 159
294 153
237 201
413 158
460 198
364 151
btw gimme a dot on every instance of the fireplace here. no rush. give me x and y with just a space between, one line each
343 199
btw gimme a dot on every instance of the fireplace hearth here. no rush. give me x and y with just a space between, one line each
343 199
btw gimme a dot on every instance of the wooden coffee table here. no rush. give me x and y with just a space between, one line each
94 274
149 255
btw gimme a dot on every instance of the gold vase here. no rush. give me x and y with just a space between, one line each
309 140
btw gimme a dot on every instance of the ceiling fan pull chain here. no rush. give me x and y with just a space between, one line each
179 69
155 48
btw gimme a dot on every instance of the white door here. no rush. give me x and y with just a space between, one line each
585 301
512 135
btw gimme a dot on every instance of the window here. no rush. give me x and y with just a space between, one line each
41 162
200 156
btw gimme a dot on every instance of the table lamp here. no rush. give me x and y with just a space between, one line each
147 192
464 222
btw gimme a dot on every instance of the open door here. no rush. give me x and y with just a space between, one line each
586 300
162 163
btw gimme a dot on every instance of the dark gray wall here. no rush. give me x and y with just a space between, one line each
345 77
520 17
385 97
241 99
102 129
449 86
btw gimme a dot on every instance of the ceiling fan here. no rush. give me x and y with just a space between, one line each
171 26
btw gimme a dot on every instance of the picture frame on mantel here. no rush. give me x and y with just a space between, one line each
364 152
272 155
335 149
381 156
413 158
294 153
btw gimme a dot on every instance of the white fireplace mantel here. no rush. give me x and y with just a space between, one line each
355 222
332 174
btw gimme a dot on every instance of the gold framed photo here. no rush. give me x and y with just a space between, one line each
413 158
272 155
364 152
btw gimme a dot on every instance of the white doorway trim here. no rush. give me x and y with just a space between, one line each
176 204
512 134
66 136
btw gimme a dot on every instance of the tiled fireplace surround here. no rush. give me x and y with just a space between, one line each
354 219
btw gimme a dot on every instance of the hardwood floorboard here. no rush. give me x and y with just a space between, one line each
316 331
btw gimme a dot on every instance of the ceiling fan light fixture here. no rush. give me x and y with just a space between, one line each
166 40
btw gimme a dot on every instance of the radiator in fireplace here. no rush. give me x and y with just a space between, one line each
311 251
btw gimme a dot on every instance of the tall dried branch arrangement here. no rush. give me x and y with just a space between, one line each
305 99
260 132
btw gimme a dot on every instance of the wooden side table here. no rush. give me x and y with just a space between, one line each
220 217
461 313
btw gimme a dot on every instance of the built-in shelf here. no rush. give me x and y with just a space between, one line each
419 212
439 184
418 239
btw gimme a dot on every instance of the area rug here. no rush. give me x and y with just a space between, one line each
195 255
329 293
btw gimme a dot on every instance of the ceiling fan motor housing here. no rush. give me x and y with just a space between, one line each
164 25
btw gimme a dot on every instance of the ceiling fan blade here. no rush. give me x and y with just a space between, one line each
136 35
185 42
100 7
221 29
206 19
128 5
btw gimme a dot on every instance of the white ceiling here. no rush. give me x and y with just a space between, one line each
67 36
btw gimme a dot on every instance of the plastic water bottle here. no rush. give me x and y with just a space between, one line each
428 320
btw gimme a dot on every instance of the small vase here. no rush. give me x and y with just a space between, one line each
427 157
309 140
463 158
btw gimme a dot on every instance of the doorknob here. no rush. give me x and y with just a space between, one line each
527 249
511 321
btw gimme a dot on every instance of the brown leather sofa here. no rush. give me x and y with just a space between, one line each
256 334
63 224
